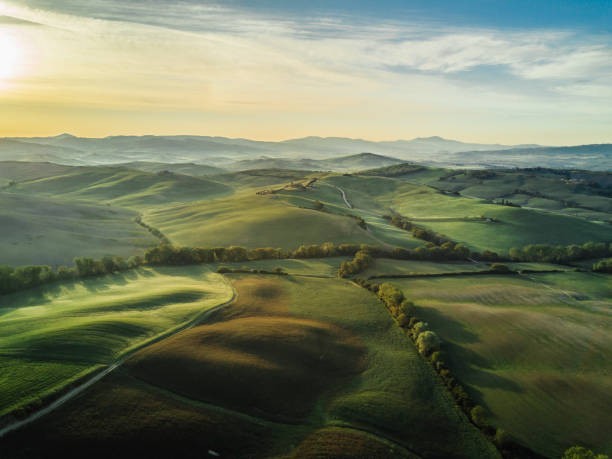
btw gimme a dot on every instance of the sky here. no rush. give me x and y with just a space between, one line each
515 71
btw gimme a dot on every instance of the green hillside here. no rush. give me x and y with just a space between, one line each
534 350
300 364
123 187
45 230
54 335
249 220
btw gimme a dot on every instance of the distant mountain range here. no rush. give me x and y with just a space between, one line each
335 153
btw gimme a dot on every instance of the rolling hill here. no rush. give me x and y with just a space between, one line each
128 188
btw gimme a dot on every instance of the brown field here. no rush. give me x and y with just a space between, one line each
342 443
121 417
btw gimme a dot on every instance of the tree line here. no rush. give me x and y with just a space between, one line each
25 277
561 253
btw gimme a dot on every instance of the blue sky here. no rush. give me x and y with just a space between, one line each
496 71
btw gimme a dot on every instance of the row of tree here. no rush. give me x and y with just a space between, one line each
154 231
25 277
561 253
278 271
429 345
417 231
166 254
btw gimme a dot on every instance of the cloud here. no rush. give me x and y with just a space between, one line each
203 58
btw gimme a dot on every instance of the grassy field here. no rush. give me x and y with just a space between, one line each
363 205
570 193
386 266
296 367
249 220
456 217
316 267
124 187
50 336
38 230
534 350
463 219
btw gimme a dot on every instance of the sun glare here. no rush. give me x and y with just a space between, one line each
9 57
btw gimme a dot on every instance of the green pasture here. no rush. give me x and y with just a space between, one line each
249 220
124 187
53 231
534 350
51 335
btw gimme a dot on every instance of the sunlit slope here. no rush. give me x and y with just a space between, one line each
297 367
45 230
363 195
535 351
51 335
248 220
488 226
124 187
303 345
261 178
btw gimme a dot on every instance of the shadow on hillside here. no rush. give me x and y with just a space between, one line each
475 373
45 294
472 369
446 326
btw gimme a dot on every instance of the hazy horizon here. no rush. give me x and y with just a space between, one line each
525 73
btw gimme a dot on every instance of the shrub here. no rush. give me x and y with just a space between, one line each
419 327
580 452
403 320
500 268
427 342
478 415
390 294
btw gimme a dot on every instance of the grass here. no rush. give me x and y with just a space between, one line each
545 189
391 267
279 356
20 170
320 355
51 335
384 266
40 230
364 206
343 443
253 221
123 417
321 267
397 394
515 227
534 350
124 187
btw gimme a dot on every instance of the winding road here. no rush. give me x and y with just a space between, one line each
348 204
113 366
